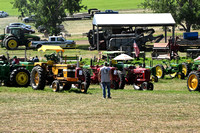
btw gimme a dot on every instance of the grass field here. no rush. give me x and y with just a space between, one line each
169 108
5 5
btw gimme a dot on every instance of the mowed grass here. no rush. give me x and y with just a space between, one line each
169 108
112 4
5 5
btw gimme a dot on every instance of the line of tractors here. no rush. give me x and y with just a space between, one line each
60 76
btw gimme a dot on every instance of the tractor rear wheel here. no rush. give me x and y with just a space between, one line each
181 75
11 43
122 81
193 83
38 78
20 77
160 71
55 86
67 86
87 77
185 69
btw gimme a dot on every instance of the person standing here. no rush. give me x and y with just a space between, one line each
105 77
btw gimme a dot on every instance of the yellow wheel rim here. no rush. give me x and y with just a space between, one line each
36 79
179 76
193 82
12 43
184 69
173 75
22 78
159 71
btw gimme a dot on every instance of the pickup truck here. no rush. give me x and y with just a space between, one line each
55 41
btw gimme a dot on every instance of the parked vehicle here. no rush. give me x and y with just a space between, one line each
108 12
55 41
16 37
26 30
42 28
29 19
20 25
3 14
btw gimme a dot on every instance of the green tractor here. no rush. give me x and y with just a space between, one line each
173 69
16 37
17 75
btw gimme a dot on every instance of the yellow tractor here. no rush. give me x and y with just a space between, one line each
59 75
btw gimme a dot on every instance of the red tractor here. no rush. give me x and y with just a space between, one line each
139 78
117 78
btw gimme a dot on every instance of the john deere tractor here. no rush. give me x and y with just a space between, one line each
13 75
173 69
16 37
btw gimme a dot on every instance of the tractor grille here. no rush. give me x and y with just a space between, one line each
71 73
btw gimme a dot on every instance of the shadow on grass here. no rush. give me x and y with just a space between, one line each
83 47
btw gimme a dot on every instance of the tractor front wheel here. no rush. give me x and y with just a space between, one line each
154 78
20 77
83 87
38 78
193 82
181 75
55 86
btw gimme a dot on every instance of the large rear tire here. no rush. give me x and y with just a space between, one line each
160 71
193 83
38 78
85 85
20 77
11 43
122 81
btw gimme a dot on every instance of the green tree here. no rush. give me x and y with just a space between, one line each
48 13
185 12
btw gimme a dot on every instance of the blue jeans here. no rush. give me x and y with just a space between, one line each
103 86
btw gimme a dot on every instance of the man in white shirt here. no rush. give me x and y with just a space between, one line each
105 76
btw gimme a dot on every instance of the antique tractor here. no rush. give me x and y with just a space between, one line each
57 74
173 69
16 37
117 78
139 78
14 75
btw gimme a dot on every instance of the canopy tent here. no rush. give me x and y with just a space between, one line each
52 48
134 20
147 19
123 57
